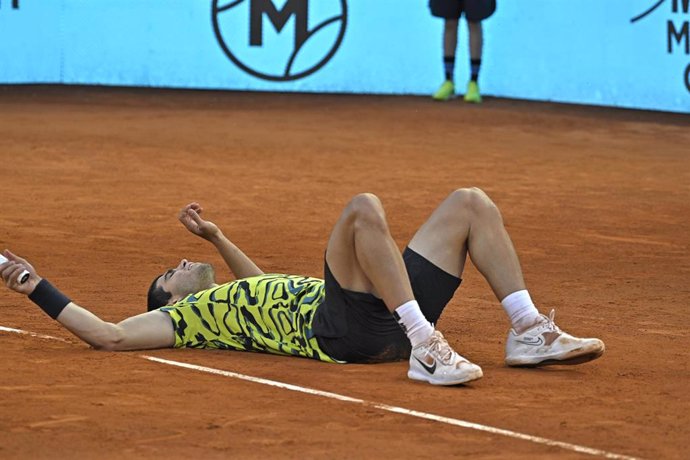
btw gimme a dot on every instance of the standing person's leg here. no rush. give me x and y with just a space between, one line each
450 11
363 258
468 222
450 45
476 11
476 44
476 32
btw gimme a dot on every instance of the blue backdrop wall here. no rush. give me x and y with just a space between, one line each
626 53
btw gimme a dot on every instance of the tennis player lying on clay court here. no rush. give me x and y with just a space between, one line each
373 305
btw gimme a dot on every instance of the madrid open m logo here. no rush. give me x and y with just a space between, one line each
279 40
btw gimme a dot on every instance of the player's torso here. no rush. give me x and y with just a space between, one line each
267 313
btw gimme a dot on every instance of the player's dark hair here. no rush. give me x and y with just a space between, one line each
157 296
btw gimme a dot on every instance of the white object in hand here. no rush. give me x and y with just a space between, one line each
24 275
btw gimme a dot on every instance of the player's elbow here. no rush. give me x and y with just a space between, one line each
105 345
111 340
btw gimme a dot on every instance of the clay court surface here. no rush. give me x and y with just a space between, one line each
597 202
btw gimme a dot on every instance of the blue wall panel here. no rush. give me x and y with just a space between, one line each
579 51
30 42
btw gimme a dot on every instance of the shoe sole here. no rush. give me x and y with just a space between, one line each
465 379
569 360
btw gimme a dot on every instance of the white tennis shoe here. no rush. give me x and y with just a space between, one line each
545 344
434 361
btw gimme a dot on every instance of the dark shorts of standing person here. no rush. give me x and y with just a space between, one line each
475 10
356 327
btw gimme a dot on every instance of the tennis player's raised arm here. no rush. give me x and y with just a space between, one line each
146 331
238 263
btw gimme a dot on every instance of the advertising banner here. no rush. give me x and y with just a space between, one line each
624 53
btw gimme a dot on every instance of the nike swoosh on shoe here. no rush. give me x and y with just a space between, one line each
536 341
429 369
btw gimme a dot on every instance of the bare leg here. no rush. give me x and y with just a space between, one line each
363 256
469 222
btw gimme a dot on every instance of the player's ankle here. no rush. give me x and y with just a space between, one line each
525 323
521 310
413 322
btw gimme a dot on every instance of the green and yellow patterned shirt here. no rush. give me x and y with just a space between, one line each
266 313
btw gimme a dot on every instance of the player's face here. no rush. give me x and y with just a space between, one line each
187 278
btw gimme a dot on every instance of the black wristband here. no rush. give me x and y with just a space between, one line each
50 300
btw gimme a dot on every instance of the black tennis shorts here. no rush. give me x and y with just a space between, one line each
358 328
475 10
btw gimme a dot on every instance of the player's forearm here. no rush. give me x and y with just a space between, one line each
79 321
236 260
148 330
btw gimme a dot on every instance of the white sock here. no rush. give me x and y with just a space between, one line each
413 322
520 309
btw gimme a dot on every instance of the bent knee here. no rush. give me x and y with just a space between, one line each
366 207
365 204
472 199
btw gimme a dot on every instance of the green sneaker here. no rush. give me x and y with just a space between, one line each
472 94
445 92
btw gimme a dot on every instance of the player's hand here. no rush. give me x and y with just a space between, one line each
11 270
191 219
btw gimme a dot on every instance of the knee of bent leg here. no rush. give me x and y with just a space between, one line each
367 208
473 200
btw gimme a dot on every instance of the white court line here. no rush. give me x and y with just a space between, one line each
385 407
32 334
399 410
